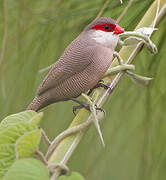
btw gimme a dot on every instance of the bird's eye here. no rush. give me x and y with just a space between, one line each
107 28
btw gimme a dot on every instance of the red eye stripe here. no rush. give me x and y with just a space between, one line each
104 27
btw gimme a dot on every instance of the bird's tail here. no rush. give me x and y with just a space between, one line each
36 104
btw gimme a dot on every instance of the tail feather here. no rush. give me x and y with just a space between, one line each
36 104
40 102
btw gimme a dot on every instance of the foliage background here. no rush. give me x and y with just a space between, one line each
33 34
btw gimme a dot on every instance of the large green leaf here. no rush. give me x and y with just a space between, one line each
20 117
27 169
19 137
7 157
27 144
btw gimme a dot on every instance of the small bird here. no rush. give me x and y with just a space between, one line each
81 66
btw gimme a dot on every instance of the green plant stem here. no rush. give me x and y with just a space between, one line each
66 147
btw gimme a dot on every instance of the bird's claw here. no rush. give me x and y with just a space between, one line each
75 108
101 81
99 84
100 109
92 107
87 106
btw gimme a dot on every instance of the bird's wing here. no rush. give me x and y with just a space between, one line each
73 61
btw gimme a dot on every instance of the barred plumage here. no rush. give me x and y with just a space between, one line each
81 66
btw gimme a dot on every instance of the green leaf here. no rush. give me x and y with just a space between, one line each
19 136
12 127
6 157
12 133
6 150
13 119
36 119
73 176
28 143
27 169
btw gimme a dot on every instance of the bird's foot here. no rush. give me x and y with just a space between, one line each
138 79
99 84
92 107
140 35
75 108
86 106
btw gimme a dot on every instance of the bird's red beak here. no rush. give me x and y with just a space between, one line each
118 30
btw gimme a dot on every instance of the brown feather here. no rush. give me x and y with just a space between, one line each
81 66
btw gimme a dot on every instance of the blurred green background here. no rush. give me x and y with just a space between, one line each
33 34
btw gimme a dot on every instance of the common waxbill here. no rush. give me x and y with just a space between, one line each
82 65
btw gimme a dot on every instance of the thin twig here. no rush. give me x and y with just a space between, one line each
45 137
68 132
71 149
55 175
41 156
57 172
157 13
125 11
162 12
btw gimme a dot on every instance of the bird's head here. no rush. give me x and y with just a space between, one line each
105 31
